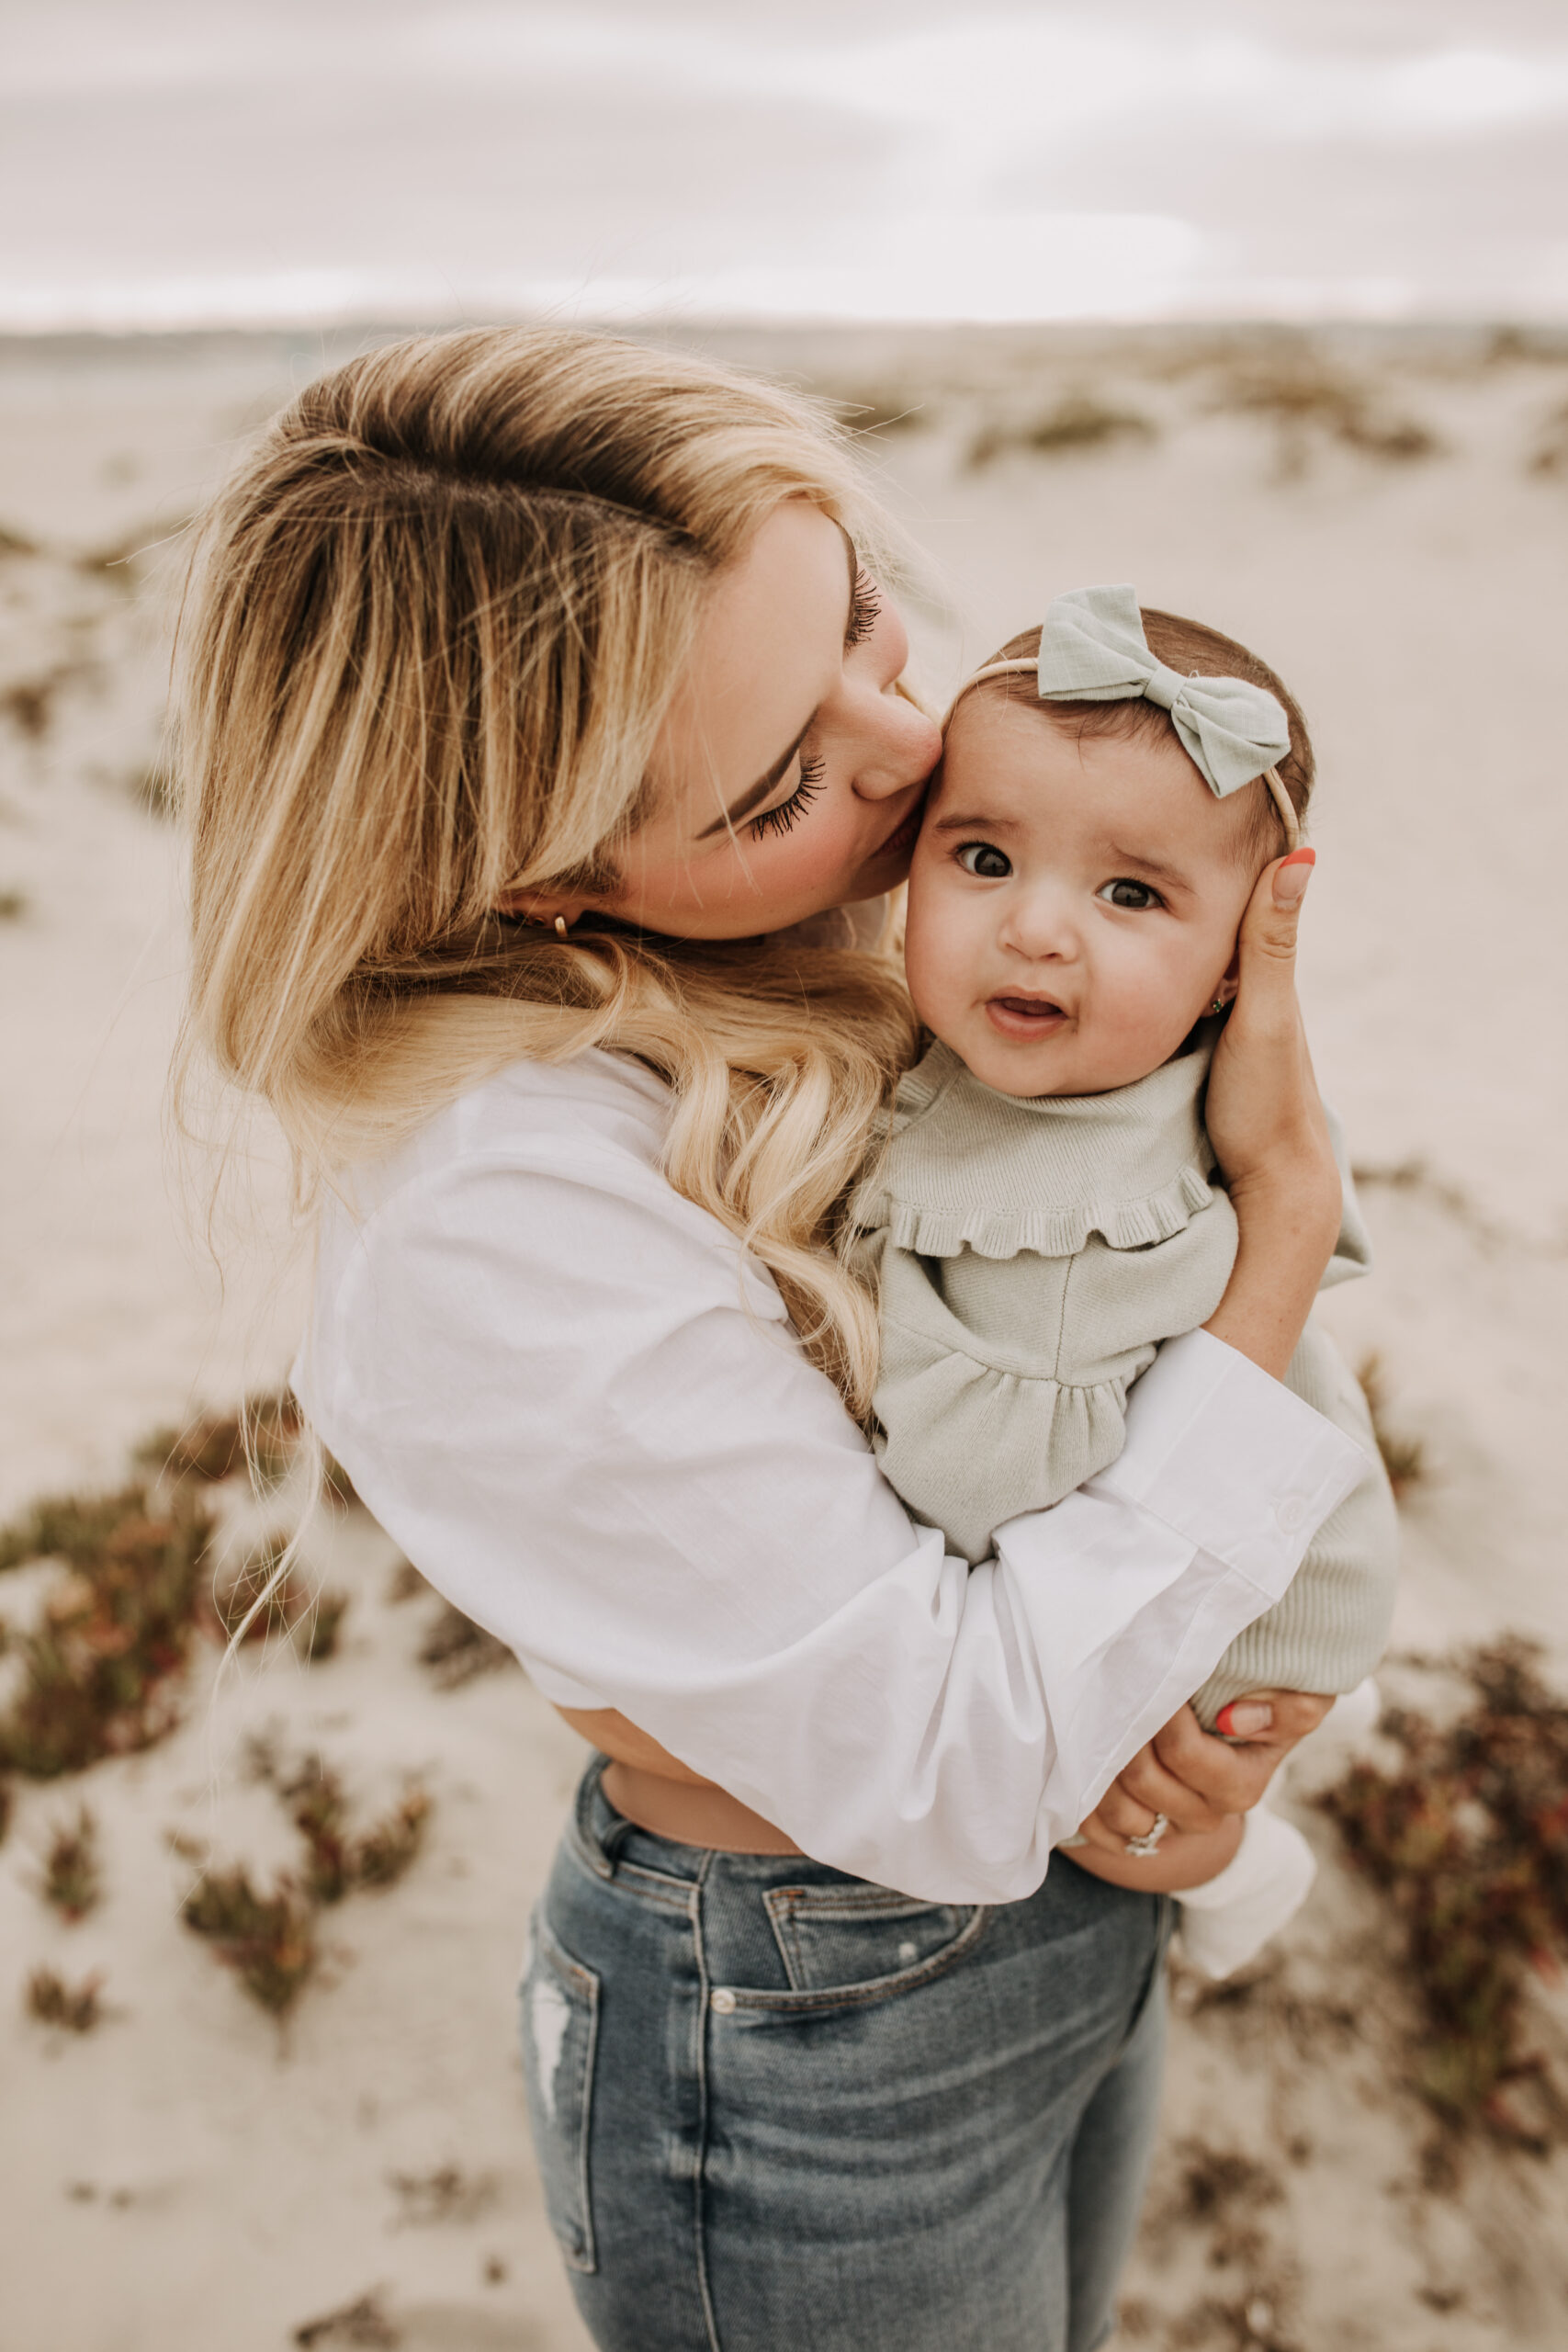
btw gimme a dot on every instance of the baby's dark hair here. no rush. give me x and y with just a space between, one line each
1194 649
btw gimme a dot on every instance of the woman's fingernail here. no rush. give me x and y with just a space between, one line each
1244 1719
1291 879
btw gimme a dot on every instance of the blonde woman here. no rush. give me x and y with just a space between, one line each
540 709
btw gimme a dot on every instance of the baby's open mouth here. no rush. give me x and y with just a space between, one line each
1024 1016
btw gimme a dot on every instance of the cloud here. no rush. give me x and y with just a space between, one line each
279 159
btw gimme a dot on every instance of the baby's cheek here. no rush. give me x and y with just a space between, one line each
1139 1005
935 954
1178 997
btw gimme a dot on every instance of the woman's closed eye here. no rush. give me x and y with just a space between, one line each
984 860
788 813
1134 895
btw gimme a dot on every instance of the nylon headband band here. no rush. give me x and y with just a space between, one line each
1269 775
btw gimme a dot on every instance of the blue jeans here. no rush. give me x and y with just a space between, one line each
775 2106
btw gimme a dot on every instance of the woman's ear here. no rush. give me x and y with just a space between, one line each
539 906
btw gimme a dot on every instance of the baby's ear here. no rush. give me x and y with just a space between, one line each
1231 980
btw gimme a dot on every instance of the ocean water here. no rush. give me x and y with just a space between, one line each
199 163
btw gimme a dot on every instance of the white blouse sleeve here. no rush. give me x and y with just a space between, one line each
581 1413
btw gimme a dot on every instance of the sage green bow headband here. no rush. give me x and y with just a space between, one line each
1092 648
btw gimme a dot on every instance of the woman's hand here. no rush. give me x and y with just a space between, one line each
1262 1111
1264 1120
1197 1779
1180 1863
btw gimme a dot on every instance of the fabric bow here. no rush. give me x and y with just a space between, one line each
1092 648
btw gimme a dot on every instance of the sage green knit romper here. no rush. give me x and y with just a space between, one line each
1029 1255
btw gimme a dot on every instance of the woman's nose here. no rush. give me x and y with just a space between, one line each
899 747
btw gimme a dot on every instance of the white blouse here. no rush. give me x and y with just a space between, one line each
580 1407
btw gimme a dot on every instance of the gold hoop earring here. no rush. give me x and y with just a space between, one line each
560 926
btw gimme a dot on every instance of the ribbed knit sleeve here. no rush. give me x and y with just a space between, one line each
1330 1628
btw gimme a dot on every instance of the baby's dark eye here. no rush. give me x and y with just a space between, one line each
1124 892
984 860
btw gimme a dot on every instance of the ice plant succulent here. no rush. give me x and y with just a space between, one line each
1470 1840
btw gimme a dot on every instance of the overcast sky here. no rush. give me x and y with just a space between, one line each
179 161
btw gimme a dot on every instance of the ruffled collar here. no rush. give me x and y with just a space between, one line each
964 1167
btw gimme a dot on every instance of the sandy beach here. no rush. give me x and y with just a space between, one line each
1381 515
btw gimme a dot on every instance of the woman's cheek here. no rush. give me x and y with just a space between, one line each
824 847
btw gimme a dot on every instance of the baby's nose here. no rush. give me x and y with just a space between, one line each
1040 924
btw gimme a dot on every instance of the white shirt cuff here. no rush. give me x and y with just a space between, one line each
1230 1459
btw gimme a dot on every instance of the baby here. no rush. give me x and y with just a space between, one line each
1045 1209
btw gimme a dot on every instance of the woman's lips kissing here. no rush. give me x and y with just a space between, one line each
1028 1018
901 840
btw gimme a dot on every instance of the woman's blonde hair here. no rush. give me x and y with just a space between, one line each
433 625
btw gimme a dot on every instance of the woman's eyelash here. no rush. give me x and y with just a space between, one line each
865 608
783 819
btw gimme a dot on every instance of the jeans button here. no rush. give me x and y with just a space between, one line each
723 2001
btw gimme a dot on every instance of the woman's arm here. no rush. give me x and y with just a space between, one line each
586 1421
550 1391
1266 1122
579 1408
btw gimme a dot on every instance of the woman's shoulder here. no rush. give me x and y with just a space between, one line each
535 1201
571 1149
596 1100
593 1112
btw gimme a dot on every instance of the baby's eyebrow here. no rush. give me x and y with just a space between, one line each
1170 875
984 823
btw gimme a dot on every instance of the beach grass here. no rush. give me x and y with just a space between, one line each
99 1669
73 2008
72 1882
1467 1837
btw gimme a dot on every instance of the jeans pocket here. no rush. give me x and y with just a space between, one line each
560 2026
861 1943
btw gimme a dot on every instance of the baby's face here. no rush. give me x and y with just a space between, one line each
1073 907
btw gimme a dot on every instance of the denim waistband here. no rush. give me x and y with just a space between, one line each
607 1841
773 1929
615 1848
